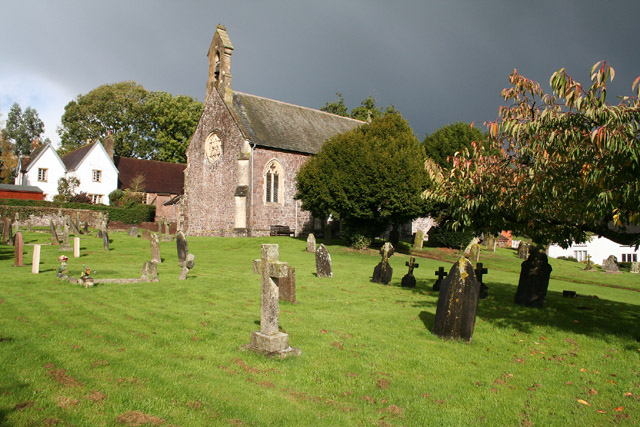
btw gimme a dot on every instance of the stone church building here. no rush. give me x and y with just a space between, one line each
244 156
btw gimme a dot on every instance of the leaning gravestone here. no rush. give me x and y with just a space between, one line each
323 262
409 280
418 240
635 268
457 302
74 226
187 265
105 239
523 250
382 272
155 248
183 248
18 251
311 243
270 340
534 279
54 234
610 264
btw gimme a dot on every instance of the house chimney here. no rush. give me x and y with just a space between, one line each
108 145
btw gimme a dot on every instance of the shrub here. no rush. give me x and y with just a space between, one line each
81 198
567 258
446 238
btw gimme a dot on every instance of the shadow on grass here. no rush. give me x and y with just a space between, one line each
6 251
582 315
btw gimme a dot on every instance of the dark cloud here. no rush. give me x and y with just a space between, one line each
437 61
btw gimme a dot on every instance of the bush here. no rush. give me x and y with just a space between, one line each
115 197
567 258
81 198
446 238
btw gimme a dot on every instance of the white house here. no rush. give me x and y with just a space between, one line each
599 248
91 164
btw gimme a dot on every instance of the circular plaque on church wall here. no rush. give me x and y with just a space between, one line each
213 147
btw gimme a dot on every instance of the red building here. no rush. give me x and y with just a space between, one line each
24 192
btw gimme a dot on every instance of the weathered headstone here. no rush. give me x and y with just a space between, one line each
85 227
146 234
441 275
160 227
610 264
383 271
133 232
166 226
635 268
74 227
183 248
409 280
54 233
65 245
78 224
589 265
149 271
3 231
105 239
11 236
155 249
474 253
18 250
457 302
35 264
323 262
523 250
491 243
467 249
481 271
311 243
534 279
269 340
187 265
287 286
418 240
76 247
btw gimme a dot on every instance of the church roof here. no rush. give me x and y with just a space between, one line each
159 177
283 126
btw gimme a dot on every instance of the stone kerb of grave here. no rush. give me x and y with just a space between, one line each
534 279
383 272
457 303
270 340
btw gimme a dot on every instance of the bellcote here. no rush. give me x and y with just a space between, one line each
220 64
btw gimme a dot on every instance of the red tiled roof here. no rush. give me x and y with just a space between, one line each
159 177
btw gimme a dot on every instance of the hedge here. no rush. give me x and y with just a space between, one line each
130 215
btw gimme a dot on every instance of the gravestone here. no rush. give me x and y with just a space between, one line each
635 268
418 240
76 247
328 233
457 303
183 248
467 249
105 240
65 246
382 272
481 271
187 265
155 249
78 224
491 243
149 271
474 253
146 234
166 226
133 232
534 279
441 275
3 231
18 250
323 262
74 226
160 227
270 340
523 250
10 237
311 243
610 264
35 263
409 280
85 227
286 284
394 236
54 233
589 265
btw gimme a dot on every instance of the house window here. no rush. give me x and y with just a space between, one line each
273 182
96 199
97 175
42 174
629 257
580 255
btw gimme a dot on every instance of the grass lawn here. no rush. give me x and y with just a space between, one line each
170 353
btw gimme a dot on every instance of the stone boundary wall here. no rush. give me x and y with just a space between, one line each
44 214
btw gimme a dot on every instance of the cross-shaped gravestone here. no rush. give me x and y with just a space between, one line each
481 271
441 275
409 280
269 340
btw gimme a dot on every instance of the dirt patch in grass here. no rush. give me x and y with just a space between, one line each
194 404
137 418
99 363
24 405
65 402
96 396
60 376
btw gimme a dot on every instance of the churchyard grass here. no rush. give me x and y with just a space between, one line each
172 353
